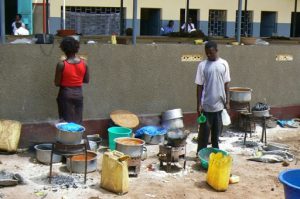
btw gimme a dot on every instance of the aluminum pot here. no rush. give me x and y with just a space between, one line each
78 162
154 139
95 138
177 137
66 137
264 113
130 146
43 154
240 94
173 123
172 114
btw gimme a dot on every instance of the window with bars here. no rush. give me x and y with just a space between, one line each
93 20
217 22
246 23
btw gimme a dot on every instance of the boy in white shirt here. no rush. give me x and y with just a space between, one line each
212 79
20 30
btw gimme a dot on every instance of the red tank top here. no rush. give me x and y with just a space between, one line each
73 74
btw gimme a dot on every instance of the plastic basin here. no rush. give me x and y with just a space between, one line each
117 132
291 183
203 155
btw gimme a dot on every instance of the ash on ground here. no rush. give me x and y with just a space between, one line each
61 182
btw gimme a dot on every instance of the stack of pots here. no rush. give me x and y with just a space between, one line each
172 119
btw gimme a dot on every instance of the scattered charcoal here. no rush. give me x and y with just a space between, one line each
62 180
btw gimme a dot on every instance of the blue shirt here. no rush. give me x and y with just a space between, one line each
167 30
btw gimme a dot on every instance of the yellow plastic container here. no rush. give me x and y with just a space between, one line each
10 132
114 175
219 169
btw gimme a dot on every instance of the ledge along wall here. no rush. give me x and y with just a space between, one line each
145 79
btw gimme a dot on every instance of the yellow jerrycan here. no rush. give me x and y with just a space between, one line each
219 171
114 175
10 132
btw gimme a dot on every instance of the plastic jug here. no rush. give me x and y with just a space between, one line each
113 39
219 169
10 132
225 118
201 119
114 174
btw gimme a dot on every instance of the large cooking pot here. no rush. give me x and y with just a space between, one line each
154 139
43 154
172 114
66 137
177 137
130 146
240 94
176 123
78 162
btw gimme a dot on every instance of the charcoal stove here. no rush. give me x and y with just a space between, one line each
134 166
172 154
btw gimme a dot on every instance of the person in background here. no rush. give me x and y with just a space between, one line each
69 76
190 26
168 29
212 79
20 30
17 20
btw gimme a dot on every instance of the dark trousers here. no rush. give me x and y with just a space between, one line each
70 104
212 125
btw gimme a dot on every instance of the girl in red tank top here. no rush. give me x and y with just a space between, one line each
69 76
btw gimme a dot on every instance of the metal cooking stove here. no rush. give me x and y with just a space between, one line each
134 166
171 154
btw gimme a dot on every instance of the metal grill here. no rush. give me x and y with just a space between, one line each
246 23
217 22
93 20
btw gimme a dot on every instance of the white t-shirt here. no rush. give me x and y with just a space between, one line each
13 25
191 27
21 31
213 75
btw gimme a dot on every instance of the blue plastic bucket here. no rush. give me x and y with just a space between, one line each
291 183
117 132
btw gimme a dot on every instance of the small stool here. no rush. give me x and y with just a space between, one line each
263 121
68 150
246 118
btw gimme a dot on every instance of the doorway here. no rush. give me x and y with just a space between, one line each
150 21
295 25
193 13
11 9
268 24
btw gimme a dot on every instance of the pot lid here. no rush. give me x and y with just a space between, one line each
124 118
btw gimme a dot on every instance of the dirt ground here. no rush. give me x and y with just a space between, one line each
257 180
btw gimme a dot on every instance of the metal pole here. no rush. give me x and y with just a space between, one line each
187 15
44 16
47 16
64 15
134 22
2 17
122 18
245 18
295 19
239 19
